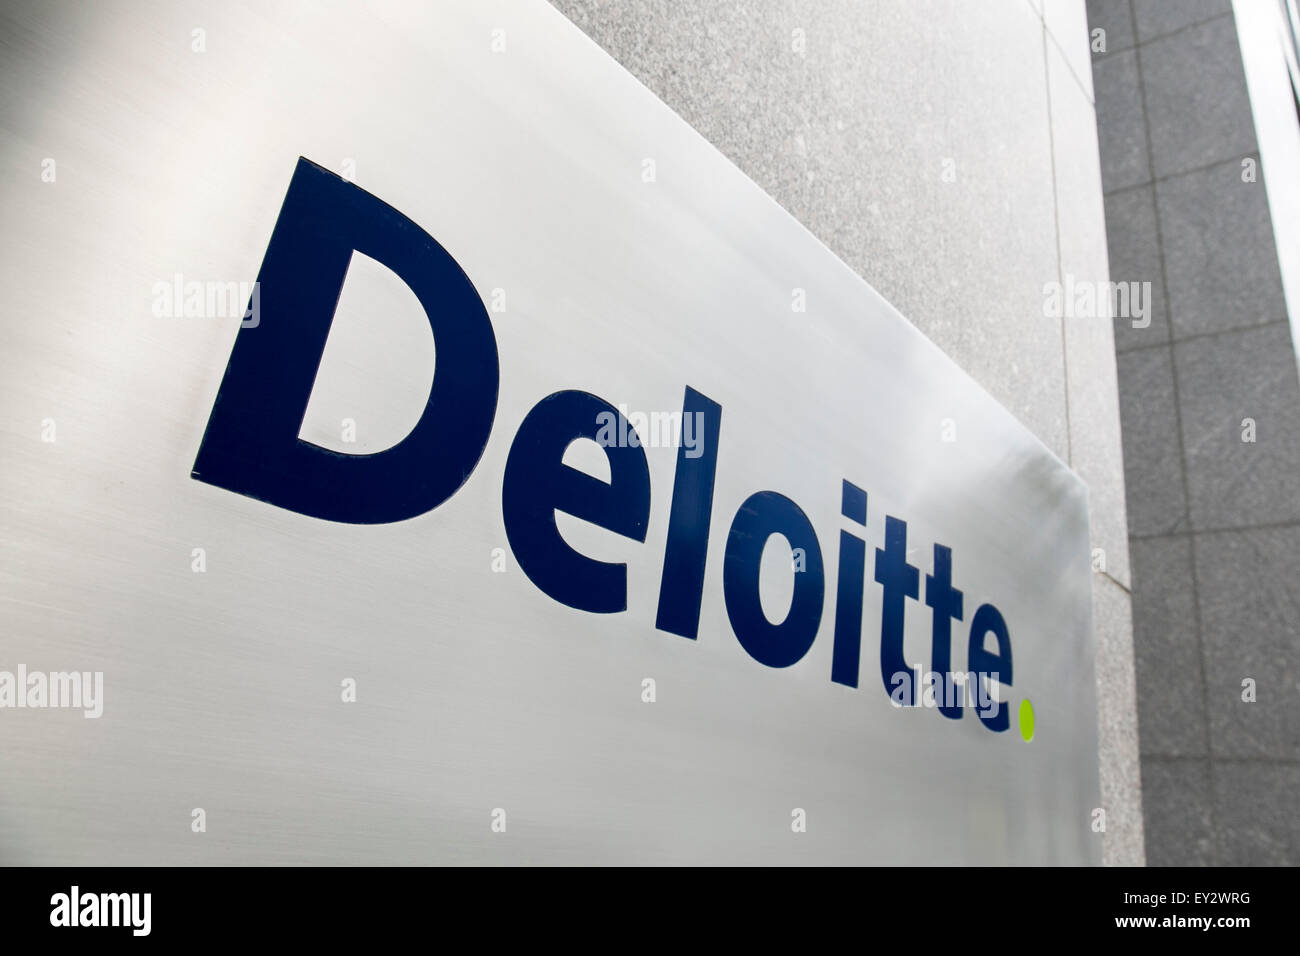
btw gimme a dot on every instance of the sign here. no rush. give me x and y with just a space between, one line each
558 498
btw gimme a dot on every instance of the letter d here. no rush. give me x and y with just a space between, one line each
251 445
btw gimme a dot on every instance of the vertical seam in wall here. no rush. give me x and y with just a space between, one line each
1056 221
1178 421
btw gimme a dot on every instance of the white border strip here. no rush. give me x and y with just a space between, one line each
1261 33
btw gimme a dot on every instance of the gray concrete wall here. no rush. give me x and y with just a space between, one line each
947 151
1214 519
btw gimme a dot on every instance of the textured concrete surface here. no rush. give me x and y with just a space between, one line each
1156 18
1224 284
947 151
1198 110
1113 17
1092 397
1252 827
1209 402
1250 620
1181 833
1120 760
1153 464
1171 710
1224 382
1125 160
1131 236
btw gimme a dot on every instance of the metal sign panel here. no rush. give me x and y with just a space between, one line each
507 479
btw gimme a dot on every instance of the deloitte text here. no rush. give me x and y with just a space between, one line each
251 447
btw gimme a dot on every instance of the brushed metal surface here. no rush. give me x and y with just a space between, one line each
475 691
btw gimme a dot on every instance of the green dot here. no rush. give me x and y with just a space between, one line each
1026 719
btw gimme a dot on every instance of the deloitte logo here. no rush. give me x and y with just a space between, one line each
251 447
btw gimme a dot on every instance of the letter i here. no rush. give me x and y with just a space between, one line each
848 590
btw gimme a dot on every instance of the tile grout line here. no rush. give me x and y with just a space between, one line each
1168 177
1118 583
1259 758
1160 36
1263 526
1056 219
1197 336
1065 57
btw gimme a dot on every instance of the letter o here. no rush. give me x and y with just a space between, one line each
777 645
